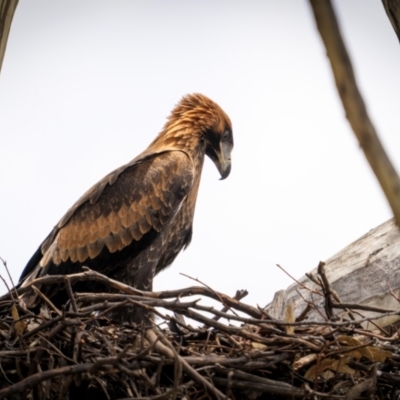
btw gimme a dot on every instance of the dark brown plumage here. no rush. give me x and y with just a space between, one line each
134 222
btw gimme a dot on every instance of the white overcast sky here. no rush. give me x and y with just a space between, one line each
86 86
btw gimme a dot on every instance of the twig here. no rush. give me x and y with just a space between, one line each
70 294
178 360
363 307
205 285
326 290
393 294
81 276
297 281
46 300
8 288
261 387
311 304
239 295
93 275
9 277
44 376
152 337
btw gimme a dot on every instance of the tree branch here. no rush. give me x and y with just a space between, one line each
392 8
7 9
354 105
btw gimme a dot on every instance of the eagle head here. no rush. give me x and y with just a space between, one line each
198 119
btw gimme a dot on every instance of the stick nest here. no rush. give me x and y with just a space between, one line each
188 350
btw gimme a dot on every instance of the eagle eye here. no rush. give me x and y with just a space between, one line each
226 135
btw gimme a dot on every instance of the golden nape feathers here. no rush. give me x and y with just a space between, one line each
134 222
194 115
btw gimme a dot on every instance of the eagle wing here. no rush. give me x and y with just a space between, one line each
135 202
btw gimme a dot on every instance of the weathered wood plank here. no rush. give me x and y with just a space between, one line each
364 272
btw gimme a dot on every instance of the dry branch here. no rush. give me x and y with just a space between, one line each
7 9
392 8
353 103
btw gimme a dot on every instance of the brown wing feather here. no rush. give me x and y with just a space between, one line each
145 195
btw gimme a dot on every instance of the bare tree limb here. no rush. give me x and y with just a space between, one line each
354 105
392 8
7 9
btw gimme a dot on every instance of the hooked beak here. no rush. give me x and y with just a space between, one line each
223 162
